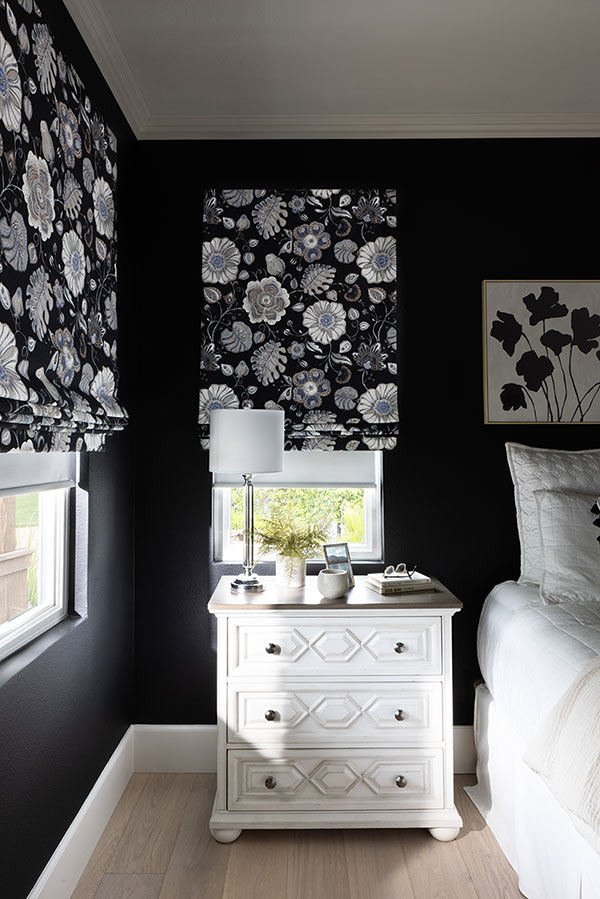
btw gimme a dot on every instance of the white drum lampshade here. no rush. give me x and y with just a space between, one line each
246 441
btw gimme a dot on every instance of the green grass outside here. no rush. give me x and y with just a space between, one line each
27 510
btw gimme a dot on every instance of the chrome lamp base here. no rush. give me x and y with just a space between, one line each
247 584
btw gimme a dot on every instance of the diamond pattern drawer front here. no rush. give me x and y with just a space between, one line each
309 779
336 713
312 647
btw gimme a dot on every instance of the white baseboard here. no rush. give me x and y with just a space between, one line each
60 876
179 748
176 748
465 757
164 748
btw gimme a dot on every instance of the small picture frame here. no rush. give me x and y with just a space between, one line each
337 556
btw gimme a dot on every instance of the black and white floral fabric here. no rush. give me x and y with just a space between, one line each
58 283
300 312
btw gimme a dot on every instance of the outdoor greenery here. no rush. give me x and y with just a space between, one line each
27 510
339 510
27 517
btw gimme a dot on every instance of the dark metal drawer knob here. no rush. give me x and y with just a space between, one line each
270 783
399 716
273 649
399 647
401 781
271 715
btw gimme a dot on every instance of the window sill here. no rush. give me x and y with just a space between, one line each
312 567
23 657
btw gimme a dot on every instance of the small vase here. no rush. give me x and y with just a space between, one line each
290 572
332 584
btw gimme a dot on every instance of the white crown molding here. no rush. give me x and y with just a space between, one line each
371 127
90 19
95 29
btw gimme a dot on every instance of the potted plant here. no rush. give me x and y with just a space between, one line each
293 543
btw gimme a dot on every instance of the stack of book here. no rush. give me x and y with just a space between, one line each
400 583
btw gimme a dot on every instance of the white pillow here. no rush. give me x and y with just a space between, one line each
545 469
570 547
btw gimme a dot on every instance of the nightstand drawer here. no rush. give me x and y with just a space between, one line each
336 780
311 646
334 713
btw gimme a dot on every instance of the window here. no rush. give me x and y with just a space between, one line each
344 489
34 539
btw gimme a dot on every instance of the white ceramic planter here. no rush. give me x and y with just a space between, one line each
290 572
332 584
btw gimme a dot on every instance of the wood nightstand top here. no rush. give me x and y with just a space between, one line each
308 598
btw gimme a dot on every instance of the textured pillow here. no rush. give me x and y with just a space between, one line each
545 469
570 549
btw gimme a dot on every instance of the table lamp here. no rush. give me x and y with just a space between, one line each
246 442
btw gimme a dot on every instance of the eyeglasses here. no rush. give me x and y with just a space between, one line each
401 569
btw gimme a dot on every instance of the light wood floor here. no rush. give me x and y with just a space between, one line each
157 846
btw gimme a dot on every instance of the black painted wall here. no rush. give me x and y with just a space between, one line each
469 210
66 700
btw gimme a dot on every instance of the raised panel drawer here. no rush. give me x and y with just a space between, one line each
332 779
382 713
402 646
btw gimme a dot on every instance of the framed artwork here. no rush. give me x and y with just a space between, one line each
541 348
337 556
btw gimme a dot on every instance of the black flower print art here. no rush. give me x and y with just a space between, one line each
586 328
544 306
508 331
513 397
555 341
299 289
549 334
534 369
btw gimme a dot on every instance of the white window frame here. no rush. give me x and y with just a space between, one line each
370 550
52 479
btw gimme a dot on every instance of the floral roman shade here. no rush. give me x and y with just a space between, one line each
58 317
299 312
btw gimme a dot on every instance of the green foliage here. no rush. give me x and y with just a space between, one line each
353 526
291 538
32 582
27 510
341 509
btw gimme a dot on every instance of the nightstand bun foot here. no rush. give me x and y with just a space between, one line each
444 834
224 835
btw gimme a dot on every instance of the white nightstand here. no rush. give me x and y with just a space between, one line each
334 713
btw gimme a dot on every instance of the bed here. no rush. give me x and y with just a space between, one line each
534 646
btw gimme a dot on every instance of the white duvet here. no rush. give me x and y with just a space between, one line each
566 752
541 665
530 653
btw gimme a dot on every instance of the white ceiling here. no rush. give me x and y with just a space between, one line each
349 68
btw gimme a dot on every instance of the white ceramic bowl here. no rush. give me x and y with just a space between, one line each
332 583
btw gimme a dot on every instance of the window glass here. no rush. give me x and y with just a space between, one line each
341 510
345 495
33 565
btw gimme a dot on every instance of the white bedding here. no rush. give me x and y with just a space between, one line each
565 753
529 653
